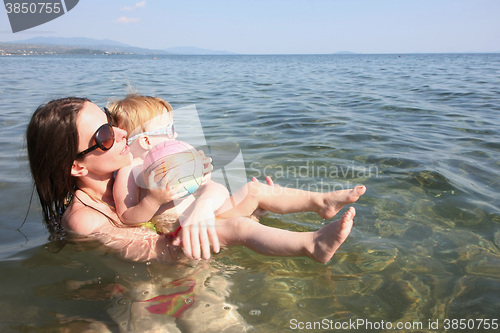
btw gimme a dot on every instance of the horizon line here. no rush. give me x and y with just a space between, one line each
225 52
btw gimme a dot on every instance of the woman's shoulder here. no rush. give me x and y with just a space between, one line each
83 220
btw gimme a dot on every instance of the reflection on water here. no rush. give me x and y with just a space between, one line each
420 131
83 287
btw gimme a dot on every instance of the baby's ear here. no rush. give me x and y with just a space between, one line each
145 142
78 169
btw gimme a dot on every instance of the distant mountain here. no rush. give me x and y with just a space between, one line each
73 41
110 46
191 50
104 45
47 49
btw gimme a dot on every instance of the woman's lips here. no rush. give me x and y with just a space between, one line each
125 150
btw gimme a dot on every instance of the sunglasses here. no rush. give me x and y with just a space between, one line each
169 131
104 137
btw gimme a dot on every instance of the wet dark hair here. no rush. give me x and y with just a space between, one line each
52 143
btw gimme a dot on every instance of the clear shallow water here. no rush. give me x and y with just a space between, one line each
420 131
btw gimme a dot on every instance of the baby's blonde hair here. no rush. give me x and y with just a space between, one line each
135 110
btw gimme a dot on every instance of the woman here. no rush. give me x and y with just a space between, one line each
73 152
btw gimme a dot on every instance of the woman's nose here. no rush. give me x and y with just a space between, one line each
120 133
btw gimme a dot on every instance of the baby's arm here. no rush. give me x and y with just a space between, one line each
131 207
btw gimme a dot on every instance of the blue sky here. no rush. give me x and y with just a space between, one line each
282 26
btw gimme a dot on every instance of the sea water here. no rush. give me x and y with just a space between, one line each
420 131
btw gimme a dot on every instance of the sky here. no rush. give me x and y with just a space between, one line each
282 26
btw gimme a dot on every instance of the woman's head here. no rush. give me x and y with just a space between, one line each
57 134
52 142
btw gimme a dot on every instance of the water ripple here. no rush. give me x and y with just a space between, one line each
421 131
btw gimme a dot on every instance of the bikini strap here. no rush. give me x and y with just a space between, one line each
110 219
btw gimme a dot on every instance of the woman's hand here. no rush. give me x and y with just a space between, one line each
259 211
198 222
207 167
269 181
198 232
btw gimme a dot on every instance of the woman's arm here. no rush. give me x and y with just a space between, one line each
138 244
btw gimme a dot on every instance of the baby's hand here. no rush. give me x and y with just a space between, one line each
161 191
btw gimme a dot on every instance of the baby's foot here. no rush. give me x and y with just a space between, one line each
328 239
334 201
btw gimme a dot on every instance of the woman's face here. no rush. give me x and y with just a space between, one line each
100 162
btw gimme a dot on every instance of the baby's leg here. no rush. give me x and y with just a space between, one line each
320 245
282 200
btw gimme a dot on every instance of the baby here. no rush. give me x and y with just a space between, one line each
210 213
